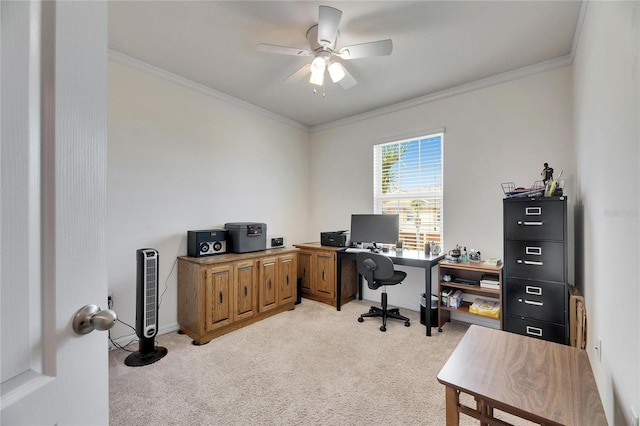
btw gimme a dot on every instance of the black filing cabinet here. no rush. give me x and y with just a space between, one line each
536 290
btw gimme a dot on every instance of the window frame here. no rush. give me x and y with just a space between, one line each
432 195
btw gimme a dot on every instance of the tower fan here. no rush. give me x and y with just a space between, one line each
146 310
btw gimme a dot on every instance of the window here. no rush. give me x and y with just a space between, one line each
408 181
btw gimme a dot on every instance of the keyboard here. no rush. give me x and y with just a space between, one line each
356 250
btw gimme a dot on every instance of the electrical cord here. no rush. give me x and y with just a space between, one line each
166 281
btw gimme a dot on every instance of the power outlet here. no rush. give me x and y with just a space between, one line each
599 349
634 417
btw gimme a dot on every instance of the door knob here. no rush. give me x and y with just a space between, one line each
91 317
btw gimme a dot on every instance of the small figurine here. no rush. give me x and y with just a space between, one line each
547 173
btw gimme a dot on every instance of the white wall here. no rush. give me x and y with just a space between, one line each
492 135
180 160
607 116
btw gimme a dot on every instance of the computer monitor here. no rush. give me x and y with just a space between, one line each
375 228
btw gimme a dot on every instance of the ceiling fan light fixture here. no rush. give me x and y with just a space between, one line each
318 65
336 71
317 78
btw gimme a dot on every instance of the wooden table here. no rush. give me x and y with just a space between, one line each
544 382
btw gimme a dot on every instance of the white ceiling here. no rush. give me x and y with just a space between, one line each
437 46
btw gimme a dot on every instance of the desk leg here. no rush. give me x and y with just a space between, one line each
427 294
451 404
338 281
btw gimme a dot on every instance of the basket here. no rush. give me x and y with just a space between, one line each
510 190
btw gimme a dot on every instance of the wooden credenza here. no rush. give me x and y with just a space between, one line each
317 270
221 293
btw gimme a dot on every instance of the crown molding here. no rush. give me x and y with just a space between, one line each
516 74
458 90
139 65
578 32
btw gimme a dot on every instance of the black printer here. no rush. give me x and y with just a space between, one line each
335 239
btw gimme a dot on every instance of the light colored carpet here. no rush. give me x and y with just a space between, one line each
310 366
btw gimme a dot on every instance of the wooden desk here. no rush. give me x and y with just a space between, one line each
544 382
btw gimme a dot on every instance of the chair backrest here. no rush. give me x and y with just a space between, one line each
374 267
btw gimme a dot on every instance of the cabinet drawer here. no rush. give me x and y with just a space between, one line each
535 299
533 328
534 219
542 260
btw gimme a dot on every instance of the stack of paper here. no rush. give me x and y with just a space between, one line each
489 308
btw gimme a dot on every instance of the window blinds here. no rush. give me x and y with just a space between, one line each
408 181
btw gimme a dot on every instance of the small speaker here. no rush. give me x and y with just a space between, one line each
146 309
206 242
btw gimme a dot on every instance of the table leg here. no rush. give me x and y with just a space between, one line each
427 294
451 404
338 281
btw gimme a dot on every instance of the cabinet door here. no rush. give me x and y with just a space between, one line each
287 278
246 279
218 297
304 271
325 274
268 283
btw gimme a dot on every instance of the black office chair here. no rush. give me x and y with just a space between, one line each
378 270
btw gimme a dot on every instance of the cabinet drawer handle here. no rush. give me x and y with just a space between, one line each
534 331
537 251
536 291
533 211
245 291
287 279
220 297
529 262
533 302
527 223
304 272
269 284
322 275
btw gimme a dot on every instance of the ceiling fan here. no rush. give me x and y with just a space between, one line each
323 38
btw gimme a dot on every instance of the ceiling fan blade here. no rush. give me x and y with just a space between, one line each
299 75
328 23
282 50
365 50
347 81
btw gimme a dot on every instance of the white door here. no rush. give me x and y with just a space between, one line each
52 217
